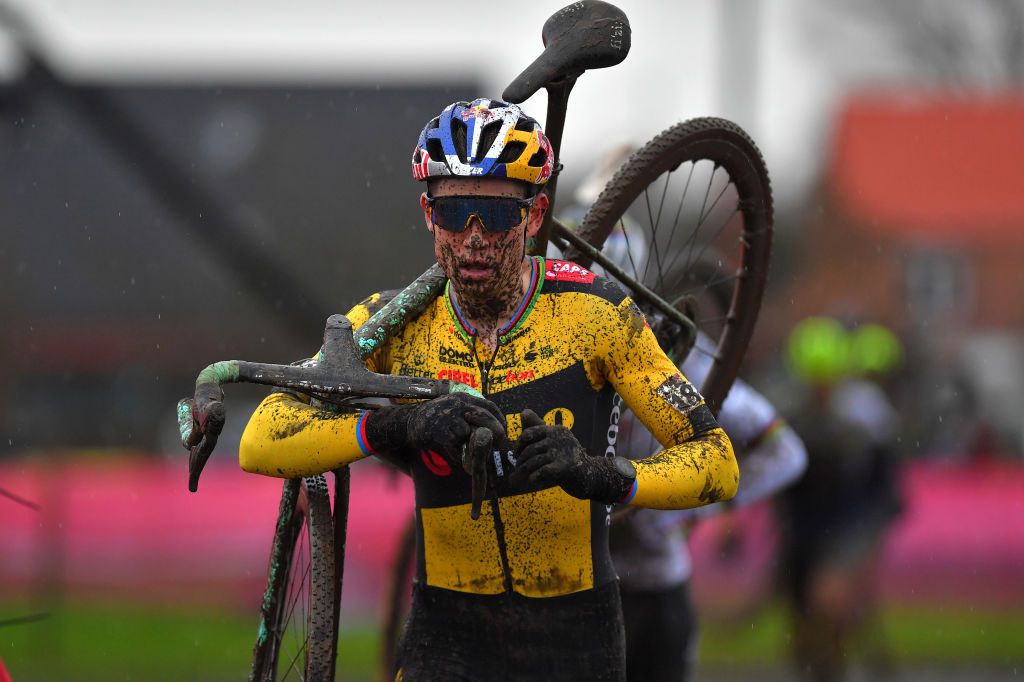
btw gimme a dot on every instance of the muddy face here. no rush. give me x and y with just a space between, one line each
485 268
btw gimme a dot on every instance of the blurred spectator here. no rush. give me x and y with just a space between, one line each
833 520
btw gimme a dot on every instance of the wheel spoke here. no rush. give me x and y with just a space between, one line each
709 242
691 239
292 664
679 209
629 248
298 592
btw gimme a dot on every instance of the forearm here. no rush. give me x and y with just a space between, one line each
287 438
699 471
772 465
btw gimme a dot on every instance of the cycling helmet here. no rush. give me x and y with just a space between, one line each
874 350
819 350
485 137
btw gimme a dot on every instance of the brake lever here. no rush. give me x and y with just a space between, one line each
200 422
475 461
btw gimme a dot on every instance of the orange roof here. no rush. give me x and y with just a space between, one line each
948 167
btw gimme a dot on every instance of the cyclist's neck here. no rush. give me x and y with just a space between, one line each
490 310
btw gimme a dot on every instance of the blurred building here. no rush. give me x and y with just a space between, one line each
920 225
149 230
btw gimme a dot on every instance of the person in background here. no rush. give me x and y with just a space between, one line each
649 547
833 521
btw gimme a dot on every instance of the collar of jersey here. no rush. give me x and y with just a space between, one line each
522 310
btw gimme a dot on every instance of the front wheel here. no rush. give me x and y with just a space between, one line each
689 215
298 625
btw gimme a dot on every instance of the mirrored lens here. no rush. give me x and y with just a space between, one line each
498 214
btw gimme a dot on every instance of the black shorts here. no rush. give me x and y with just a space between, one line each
459 637
661 634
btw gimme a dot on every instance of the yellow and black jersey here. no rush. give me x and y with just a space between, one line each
577 352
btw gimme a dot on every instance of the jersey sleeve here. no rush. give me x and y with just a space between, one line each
286 437
697 465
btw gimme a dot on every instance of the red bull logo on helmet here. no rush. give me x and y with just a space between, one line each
480 112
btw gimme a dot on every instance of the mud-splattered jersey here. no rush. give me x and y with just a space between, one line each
649 547
575 344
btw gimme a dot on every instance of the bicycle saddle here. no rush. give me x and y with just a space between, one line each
584 35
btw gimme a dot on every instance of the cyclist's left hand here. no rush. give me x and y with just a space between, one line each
551 455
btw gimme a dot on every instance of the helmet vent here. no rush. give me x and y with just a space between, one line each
525 125
538 159
435 150
459 139
487 137
511 152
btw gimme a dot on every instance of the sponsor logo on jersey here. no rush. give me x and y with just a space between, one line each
512 377
680 394
565 271
453 356
457 375
412 370
613 438
613 426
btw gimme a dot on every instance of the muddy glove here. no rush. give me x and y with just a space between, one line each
443 424
551 455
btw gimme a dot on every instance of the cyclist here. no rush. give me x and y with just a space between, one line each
834 519
528 589
649 547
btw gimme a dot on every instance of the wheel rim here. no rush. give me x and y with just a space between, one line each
689 215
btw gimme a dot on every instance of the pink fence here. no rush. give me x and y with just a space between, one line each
128 527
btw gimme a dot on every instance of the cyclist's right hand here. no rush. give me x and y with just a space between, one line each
443 424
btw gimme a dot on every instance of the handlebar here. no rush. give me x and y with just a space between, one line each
339 374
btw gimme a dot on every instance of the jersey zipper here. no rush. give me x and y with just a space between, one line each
499 526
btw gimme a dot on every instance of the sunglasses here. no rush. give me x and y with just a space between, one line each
498 214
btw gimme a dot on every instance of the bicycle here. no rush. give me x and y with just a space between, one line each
307 559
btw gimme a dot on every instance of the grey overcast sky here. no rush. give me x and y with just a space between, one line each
771 84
